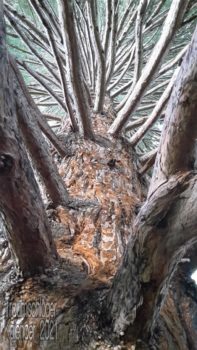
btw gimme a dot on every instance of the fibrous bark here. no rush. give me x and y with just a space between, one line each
28 229
100 59
74 68
93 235
91 243
159 231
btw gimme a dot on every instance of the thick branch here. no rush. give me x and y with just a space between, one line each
176 150
138 40
112 47
107 26
100 58
20 199
167 221
27 119
73 67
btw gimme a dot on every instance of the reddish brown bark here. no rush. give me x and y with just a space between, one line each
105 174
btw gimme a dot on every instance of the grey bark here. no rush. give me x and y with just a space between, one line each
167 221
74 68
28 230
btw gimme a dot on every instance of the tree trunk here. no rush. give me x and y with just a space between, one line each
91 243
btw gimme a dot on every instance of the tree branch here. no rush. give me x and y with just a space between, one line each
74 68
167 221
171 24
59 62
155 113
100 58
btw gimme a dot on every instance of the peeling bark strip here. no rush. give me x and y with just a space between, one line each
29 232
168 220
171 24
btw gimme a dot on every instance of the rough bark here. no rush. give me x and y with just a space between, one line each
103 173
92 238
176 151
40 118
159 233
90 241
74 68
138 40
28 118
28 228
100 59
176 327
